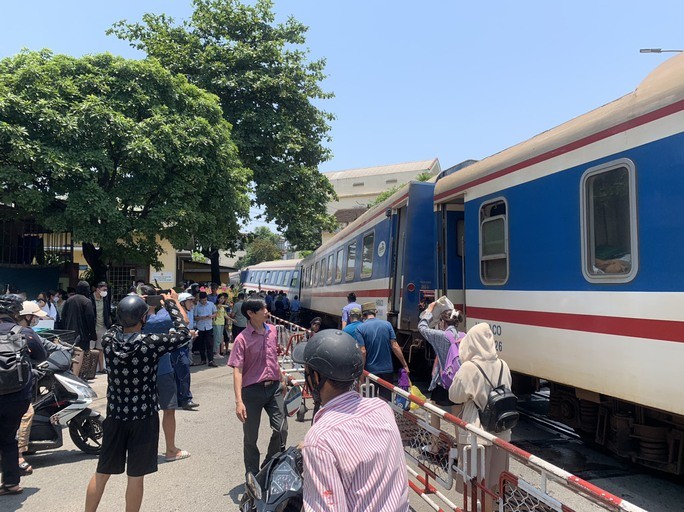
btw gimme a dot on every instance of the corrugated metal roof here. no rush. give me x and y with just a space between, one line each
421 166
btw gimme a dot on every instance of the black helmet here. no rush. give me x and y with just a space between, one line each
331 353
11 304
131 310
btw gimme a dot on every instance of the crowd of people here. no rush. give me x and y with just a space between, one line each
147 348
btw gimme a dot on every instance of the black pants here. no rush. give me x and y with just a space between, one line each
205 345
382 391
257 398
10 418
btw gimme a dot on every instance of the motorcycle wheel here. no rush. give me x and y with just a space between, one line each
86 433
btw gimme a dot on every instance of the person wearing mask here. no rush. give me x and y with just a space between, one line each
470 392
257 383
239 320
131 429
78 315
219 323
353 453
181 358
159 322
45 304
351 304
58 299
354 321
205 312
378 342
14 405
103 321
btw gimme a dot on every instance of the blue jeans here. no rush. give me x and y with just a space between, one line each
180 360
218 337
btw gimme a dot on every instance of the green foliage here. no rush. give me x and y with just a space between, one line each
267 88
122 152
198 257
423 176
384 195
262 246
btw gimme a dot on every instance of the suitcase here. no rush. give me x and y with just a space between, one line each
89 366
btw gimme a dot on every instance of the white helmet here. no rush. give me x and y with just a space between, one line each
182 297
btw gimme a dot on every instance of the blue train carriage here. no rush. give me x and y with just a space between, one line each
386 256
573 256
277 275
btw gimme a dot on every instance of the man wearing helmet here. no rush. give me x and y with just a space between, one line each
353 455
132 424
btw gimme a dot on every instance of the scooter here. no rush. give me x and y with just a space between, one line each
62 399
278 486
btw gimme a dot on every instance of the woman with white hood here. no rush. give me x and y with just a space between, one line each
470 391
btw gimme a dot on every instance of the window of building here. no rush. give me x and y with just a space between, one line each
331 268
338 268
609 222
358 184
494 242
391 181
351 261
367 255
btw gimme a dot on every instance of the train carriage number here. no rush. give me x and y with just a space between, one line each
496 331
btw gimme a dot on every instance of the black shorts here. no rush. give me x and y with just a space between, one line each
167 391
235 330
139 439
441 397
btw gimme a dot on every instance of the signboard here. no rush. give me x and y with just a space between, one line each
162 277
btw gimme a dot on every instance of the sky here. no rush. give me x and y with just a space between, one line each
420 80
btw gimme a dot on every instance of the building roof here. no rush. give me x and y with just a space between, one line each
421 166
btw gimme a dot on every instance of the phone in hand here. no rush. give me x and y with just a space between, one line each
153 300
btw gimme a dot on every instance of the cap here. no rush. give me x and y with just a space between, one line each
368 306
31 308
355 312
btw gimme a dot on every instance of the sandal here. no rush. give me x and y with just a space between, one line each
25 468
10 489
183 454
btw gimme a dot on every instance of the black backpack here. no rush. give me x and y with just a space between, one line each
15 364
500 413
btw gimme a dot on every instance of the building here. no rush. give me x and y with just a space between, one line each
356 188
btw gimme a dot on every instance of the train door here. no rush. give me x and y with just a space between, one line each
398 249
451 261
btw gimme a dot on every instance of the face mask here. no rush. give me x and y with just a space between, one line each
55 298
103 294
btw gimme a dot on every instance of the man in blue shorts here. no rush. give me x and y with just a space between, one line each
377 341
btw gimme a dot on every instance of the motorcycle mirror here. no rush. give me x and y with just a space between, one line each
253 487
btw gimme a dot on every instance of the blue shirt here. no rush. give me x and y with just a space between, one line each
346 309
375 335
207 309
351 328
160 323
296 305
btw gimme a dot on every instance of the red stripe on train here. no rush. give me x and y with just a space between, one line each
666 330
585 141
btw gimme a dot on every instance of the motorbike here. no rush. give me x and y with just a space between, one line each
62 399
278 486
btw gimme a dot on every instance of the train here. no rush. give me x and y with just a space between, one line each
567 246
278 275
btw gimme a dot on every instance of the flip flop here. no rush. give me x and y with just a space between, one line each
25 468
183 454
10 489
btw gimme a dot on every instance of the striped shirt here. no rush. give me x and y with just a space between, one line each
354 459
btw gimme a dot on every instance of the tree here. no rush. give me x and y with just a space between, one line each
266 86
262 246
119 152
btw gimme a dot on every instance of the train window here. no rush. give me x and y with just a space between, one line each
321 281
494 242
331 268
315 276
367 255
281 275
267 277
295 279
338 268
351 261
286 281
609 224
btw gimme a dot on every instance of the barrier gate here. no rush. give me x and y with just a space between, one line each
451 477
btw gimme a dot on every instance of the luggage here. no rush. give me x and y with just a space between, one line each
15 364
89 366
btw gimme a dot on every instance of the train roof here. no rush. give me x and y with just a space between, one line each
662 90
275 264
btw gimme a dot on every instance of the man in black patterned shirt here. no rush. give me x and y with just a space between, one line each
132 423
